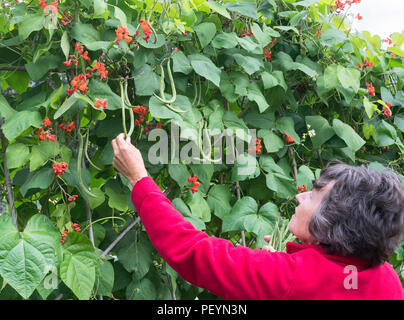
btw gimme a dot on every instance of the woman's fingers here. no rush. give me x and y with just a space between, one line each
267 238
268 248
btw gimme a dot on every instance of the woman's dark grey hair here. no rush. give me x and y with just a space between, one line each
363 213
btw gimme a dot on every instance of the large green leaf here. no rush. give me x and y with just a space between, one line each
30 23
41 179
219 200
25 256
78 268
385 134
141 290
247 8
322 130
137 257
5 110
179 173
272 142
106 279
146 81
17 155
205 68
348 134
205 32
42 152
199 207
19 122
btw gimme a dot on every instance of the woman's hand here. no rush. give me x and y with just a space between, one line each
268 247
128 159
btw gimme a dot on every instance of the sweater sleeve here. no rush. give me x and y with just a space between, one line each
209 262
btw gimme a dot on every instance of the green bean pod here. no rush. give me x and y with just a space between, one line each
132 121
86 153
79 159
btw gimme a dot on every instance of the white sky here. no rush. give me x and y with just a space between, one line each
381 17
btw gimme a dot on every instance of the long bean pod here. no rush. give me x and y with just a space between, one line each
79 159
86 152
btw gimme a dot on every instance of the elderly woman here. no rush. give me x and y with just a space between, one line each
349 225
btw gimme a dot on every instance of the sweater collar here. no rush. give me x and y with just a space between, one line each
360 263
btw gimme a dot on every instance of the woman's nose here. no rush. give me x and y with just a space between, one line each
302 196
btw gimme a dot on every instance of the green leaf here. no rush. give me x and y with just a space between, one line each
272 142
216 6
101 90
179 173
247 8
399 121
181 63
332 37
254 93
137 257
77 270
41 179
141 290
205 32
146 81
331 77
370 108
25 256
323 130
249 64
65 44
205 68
116 199
305 176
225 40
106 279
66 105
19 122
219 200
41 153
30 23
348 134
287 124
42 65
17 154
5 110
199 207
120 15
349 78
385 134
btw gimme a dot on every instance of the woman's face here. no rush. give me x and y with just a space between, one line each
309 202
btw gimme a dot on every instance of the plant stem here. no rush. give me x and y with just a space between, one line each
10 194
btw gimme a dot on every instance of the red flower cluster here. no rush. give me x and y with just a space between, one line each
142 111
371 89
67 16
100 103
243 34
72 198
79 82
366 64
289 139
76 227
122 33
195 181
386 110
267 53
150 125
340 6
62 241
59 168
392 55
258 146
52 6
45 133
302 188
69 128
101 70
359 17
388 40
146 30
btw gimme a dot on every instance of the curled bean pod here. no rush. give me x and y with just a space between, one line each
132 121
123 109
79 159
86 152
